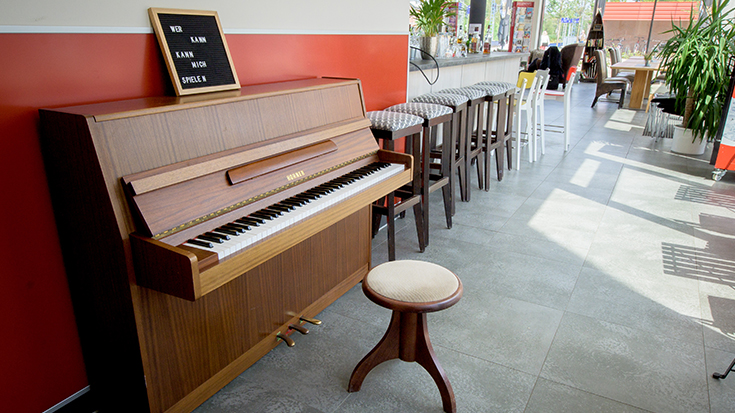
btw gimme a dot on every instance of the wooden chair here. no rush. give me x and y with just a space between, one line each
606 85
388 127
500 98
433 116
410 289
571 54
456 130
473 131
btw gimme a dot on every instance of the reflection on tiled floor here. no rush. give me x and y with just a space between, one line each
597 280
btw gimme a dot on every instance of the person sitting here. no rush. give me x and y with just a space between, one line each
552 61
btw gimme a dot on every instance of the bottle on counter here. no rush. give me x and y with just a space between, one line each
488 41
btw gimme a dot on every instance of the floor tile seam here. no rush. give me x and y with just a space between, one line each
541 375
495 363
650 332
340 404
657 335
530 395
540 237
597 395
721 350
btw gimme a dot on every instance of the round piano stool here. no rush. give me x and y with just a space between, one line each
433 115
410 289
387 127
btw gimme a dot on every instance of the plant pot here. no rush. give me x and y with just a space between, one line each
683 142
428 45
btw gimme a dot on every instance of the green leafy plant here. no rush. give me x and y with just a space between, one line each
696 59
430 15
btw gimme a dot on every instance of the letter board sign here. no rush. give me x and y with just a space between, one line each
195 50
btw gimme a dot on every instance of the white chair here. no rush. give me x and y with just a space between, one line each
538 113
526 84
566 97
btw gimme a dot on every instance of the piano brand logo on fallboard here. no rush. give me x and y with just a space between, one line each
295 175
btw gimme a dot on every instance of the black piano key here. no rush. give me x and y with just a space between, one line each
260 215
201 243
295 202
271 210
216 235
250 221
225 231
208 238
242 227
234 227
282 208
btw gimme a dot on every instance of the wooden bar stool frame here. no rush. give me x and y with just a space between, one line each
498 133
410 194
474 146
442 180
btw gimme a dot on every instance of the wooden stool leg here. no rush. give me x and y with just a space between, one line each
488 141
480 113
407 338
509 129
425 172
448 170
386 349
500 133
391 227
414 144
427 359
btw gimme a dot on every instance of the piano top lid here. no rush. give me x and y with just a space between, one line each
145 106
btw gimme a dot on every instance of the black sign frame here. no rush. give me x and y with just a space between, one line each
195 50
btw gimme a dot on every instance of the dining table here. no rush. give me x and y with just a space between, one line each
642 81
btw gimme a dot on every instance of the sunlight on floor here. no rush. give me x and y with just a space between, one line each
585 173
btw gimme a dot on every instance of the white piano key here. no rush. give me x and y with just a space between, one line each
287 219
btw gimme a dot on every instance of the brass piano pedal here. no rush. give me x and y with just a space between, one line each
311 320
298 327
288 340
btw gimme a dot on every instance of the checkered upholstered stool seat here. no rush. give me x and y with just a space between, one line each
410 289
473 131
433 115
456 129
500 98
387 127
506 85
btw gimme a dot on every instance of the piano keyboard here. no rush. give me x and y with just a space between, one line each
245 231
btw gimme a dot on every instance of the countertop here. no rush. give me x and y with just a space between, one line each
473 58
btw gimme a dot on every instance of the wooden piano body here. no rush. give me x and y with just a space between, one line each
160 330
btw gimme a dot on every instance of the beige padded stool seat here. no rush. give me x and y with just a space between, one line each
411 289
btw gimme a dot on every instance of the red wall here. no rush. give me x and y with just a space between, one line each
40 353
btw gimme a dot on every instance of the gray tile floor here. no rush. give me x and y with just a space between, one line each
597 280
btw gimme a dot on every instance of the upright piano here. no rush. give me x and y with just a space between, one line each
195 230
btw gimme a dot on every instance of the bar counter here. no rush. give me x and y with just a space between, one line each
463 71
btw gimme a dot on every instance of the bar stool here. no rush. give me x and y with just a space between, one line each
388 127
500 99
410 289
456 131
506 85
473 130
433 115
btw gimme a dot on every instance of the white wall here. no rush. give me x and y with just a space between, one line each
237 16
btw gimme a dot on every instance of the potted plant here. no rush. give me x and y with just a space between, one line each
696 60
429 17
